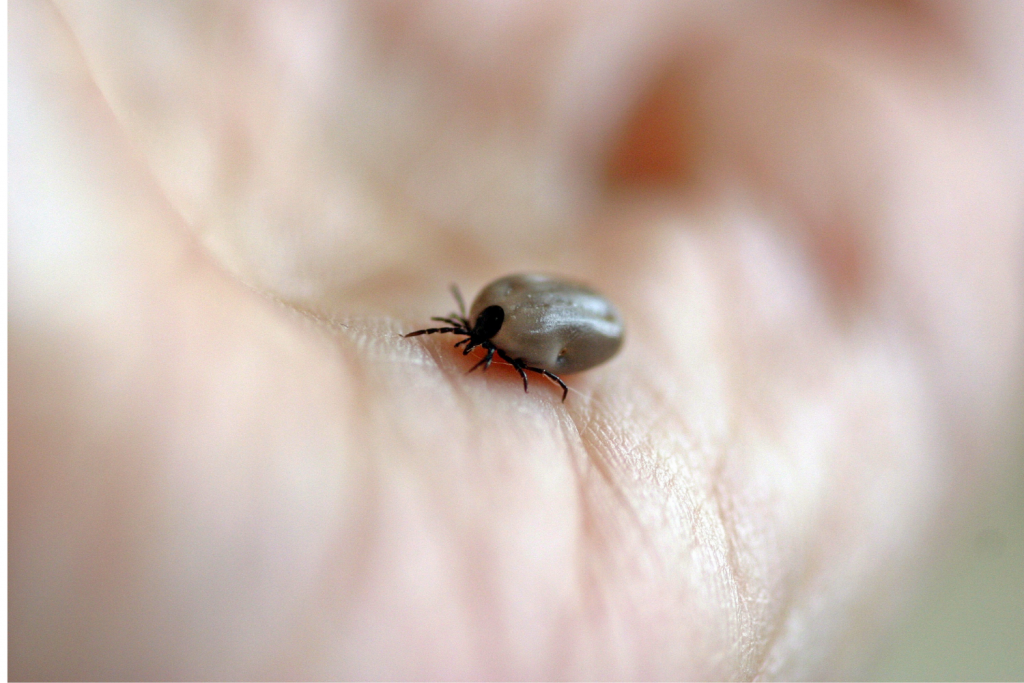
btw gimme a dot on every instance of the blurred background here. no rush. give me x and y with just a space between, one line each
968 621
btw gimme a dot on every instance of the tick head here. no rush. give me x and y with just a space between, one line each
488 322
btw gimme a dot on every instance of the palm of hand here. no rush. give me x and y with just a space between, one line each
231 463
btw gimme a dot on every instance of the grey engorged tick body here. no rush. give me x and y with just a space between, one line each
537 323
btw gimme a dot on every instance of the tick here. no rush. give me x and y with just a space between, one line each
536 323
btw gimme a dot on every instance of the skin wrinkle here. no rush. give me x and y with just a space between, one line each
601 543
756 667
592 543
743 621
698 531
309 640
588 539
752 657
789 599
740 337
445 527
594 446
491 612
776 627
727 578
812 564
597 447
731 536
484 603
493 624
818 564
605 532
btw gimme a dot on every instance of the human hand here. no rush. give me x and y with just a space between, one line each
225 462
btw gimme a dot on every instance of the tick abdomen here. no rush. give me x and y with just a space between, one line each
554 324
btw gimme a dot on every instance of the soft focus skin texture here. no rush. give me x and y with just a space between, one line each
226 463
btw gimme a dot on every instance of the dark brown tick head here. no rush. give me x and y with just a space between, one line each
488 323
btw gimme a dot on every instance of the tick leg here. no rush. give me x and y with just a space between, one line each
522 373
555 378
438 330
460 343
458 299
470 346
486 361
450 321
456 319
518 365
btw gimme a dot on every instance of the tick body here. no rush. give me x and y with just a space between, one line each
539 324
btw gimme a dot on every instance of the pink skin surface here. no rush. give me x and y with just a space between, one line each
225 462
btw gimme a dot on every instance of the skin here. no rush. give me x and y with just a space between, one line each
225 462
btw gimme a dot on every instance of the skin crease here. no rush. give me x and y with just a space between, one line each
225 462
